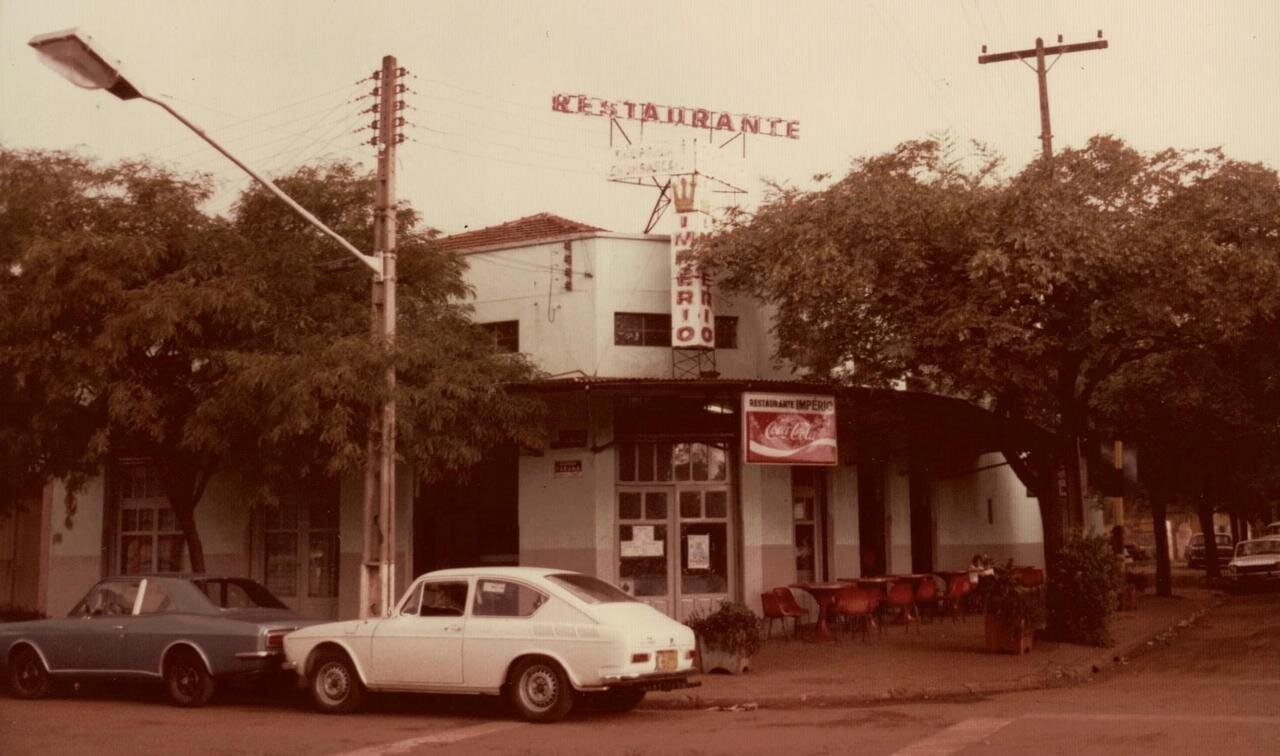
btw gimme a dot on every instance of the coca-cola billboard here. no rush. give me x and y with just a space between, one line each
789 429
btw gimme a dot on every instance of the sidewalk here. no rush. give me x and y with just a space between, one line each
942 660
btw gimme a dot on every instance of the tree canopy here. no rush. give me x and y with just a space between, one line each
1024 293
135 323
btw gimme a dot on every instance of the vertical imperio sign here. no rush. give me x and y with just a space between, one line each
789 429
693 324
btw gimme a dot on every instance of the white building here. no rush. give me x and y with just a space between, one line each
645 483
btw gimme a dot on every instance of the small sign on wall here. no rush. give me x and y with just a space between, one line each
567 468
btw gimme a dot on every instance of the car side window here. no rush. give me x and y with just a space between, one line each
110 598
504 598
413 602
155 600
444 599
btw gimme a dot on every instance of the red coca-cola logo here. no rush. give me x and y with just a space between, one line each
791 428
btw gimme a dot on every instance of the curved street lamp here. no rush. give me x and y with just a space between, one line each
74 56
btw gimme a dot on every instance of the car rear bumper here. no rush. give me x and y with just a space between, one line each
659 681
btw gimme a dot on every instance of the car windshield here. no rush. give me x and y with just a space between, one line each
237 593
1250 548
589 589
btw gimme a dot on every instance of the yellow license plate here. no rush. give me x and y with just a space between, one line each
667 661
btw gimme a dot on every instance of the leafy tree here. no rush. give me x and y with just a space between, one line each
234 345
1023 293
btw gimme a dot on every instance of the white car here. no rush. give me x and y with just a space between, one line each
1256 561
541 637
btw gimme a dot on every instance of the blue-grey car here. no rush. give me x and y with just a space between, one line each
189 631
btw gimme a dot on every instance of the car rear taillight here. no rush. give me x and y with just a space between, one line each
275 639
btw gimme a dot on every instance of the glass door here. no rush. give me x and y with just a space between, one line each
643 521
675 544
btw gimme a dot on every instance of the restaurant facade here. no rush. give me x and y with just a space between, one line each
685 473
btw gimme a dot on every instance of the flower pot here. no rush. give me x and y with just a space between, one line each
1001 641
714 659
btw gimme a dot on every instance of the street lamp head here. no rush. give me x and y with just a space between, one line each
71 53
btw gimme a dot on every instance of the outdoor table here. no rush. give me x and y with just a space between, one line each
825 595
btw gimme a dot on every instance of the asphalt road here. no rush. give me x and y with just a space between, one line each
1214 688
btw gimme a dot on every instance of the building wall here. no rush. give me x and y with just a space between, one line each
572 331
75 545
960 507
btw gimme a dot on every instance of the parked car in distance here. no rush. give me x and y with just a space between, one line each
1195 549
1136 553
1272 530
540 637
188 631
1255 562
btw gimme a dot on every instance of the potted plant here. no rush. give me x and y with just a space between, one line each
727 637
1014 613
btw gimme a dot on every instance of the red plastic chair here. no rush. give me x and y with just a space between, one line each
789 607
956 598
902 599
857 606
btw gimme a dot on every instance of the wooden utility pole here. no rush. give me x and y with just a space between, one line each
378 573
1039 52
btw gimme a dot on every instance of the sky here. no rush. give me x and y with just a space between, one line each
282 83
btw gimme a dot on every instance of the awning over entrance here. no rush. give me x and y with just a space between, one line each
872 421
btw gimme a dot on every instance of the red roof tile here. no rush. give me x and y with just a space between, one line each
519 231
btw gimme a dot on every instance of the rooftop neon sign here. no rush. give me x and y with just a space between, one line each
676 115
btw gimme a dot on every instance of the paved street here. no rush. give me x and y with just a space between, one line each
1216 686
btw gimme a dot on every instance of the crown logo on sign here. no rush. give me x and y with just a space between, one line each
682 193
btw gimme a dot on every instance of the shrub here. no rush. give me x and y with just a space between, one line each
1082 592
733 628
1014 606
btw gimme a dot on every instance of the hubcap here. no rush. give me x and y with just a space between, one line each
540 688
333 683
186 679
29 674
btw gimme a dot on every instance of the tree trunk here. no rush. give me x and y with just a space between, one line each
1159 526
184 482
185 516
1205 512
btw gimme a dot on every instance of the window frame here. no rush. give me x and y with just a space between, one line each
654 329
502 340
726 327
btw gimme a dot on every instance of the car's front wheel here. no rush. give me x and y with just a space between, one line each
187 680
619 700
27 676
539 690
335 685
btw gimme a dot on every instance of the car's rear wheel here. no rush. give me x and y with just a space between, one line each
28 677
620 700
539 691
335 685
187 679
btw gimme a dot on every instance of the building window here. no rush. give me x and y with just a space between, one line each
149 539
726 332
641 329
660 462
302 536
505 333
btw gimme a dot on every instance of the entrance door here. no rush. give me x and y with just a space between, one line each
674 530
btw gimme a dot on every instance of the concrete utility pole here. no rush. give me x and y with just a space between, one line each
378 573
1042 72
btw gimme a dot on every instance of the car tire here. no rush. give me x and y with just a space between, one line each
539 690
335 685
186 679
618 701
28 677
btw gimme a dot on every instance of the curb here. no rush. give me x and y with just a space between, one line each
1066 676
